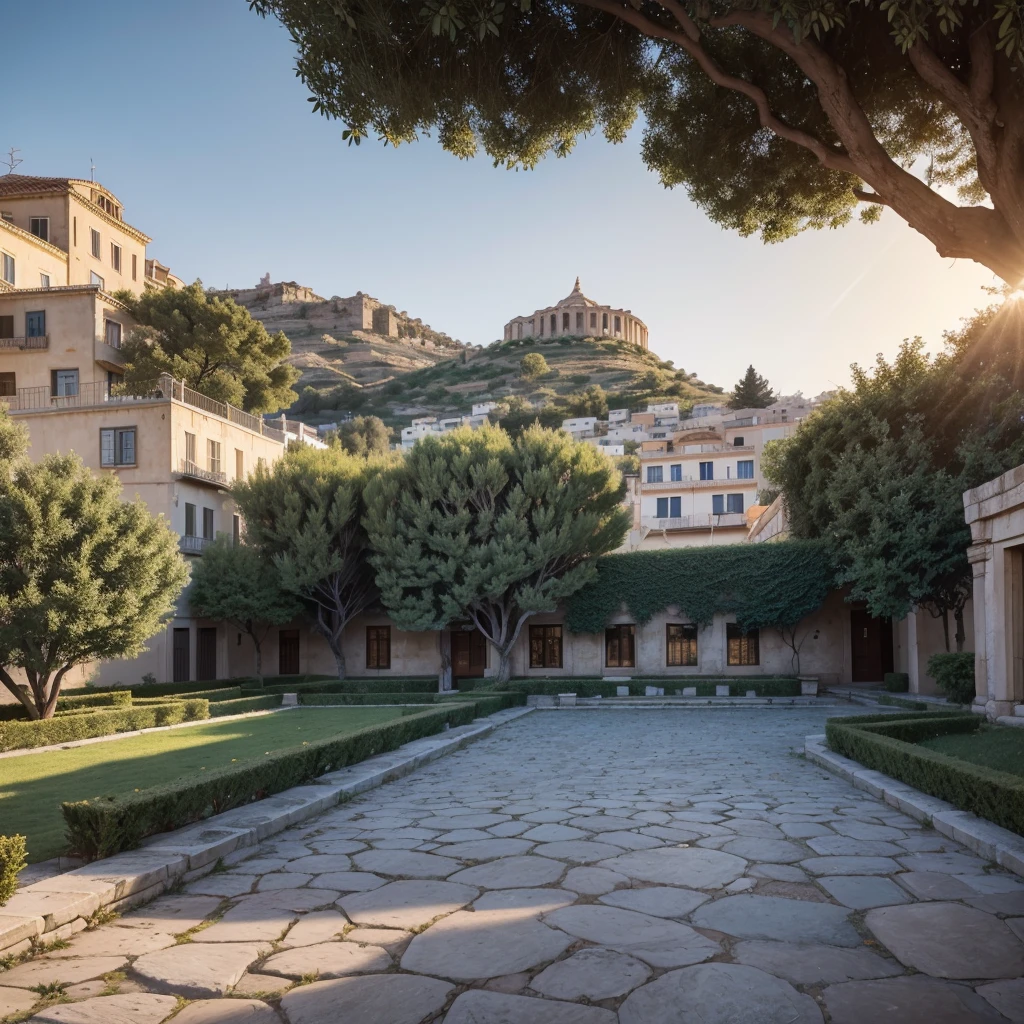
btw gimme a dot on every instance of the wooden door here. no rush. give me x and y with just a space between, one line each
288 652
181 667
469 654
206 653
870 647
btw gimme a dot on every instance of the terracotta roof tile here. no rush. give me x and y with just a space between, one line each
24 185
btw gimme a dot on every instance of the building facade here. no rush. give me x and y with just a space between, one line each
576 316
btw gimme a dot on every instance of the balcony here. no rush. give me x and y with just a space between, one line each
699 522
189 469
690 483
193 545
24 344
697 449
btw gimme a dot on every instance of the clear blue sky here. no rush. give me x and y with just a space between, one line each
194 118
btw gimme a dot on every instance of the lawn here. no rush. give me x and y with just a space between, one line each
994 746
32 786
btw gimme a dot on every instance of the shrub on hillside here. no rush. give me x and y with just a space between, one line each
954 674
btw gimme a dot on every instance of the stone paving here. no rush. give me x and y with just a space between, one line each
585 867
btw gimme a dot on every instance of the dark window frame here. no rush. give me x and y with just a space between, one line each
378 647
681 645
546 645
117 449
742 648
614 637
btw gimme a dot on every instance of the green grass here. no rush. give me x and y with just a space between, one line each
32 786
992 746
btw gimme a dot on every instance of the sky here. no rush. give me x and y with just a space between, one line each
192 115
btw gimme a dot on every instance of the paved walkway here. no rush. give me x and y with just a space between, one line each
588 867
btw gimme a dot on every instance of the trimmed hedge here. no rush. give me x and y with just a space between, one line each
389 685
68 703
896 682
496 700
70 727
244 704
12 860
596 687
886 743
954 674
108 825
899 702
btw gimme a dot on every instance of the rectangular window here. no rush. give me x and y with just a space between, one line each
63 383
190 447
654 474
707 471
734 503
681 644
95 243
35 324
239 464
675 472
737 442
8 385
593 320
236 529
115 257
745 469
117 446
618 325
112 333
579 321
7 267
743 648
620 646
717 504
40 227
208 524
545 647
44 280
213 451
6 326
74 231
565 321
675 508
662 508
288 652
95 279
135 267
190 519
378 647
604 321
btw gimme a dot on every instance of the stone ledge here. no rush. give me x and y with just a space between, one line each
57 906
986 839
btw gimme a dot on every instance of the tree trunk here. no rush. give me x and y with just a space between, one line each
960 636
504 672
945 627
21 693
259 658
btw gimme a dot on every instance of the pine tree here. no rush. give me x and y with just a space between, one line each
752 391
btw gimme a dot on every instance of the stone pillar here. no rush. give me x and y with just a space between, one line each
711 646
978 556
444 677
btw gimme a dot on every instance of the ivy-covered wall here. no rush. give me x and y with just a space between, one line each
763 585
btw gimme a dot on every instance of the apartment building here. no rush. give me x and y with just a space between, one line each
433 426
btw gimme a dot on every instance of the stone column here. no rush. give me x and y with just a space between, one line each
978 556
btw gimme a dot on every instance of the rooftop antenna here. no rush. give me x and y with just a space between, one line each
12 160
92 170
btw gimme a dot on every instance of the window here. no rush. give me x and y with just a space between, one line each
680 644
707 471
117 446
737 442
206 652
115 257
618 325
35 324
213 451
565 321
74 231
44 280
236 529
620 646
662 512
7 267
579 321
554 323
288 652
6 326
742 648
95 243
675 472
40 227
190 519
208 532
545 647
239 464
593 320
675 508
64 383
112 333
8 385
654 474
181 667
717 504
604 321
135 267
745 469
734 503
378 647
95 279
190 447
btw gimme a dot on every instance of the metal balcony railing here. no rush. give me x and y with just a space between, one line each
193 545
689 483
211 476
698 522
26 344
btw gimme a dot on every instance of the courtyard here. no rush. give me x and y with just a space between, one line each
583 867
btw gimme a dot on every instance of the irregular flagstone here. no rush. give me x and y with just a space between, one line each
466 946
934 885
328 960
198 970
907 1000
320 926
487 849
778 872
348 881
173 914
844 846
631 840
512 873
591 973
15 1000
718 994
405 863
553 833
223 885
282 880
291 900
1007 997
259 984
319 863
387 938
850 865
692 867
374 999
68 972
130 1008
406 905
248 922
337 845
227 1011
948 863
813 964
527 902
658 901
593 881
804 829
655 940
777 851
579 851
865 830
111 942
771 917
947 940
479 1007
863 892
604 823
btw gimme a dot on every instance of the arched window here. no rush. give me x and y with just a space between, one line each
618 325
604 321
579 321
565 321
554 323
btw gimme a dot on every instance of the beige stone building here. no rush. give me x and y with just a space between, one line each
576 316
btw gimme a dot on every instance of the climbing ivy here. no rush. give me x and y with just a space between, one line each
763 585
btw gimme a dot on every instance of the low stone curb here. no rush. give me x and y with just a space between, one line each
987 840
58 907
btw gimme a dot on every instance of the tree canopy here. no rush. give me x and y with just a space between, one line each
533 365
752 391
363 435
472 525
83 575
210 343
775 116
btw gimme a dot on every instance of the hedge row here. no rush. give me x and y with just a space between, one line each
637 688
994 795
66 728
108 825
70 702
495 700
221 693
244 704
389 685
